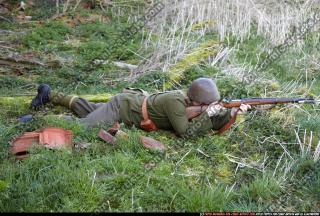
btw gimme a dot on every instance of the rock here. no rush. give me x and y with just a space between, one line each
107 137
25 118
152 143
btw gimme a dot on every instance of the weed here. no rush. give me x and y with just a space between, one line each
50 31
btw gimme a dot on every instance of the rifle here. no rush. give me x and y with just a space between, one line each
194 111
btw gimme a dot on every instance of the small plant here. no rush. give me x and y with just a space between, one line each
263 189
50 31
152 81
92 50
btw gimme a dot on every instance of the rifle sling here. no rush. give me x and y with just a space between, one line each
229 124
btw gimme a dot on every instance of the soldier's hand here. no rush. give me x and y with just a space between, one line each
241 110
244 108
214 109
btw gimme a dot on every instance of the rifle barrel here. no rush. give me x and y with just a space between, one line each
264 101
194 111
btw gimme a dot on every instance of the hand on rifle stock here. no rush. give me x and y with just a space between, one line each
243 105
240 110
214 109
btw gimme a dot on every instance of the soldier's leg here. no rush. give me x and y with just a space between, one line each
78 105
93 113
107 113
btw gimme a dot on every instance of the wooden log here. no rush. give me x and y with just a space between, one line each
14 62
25 100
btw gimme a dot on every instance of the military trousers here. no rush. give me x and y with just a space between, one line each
91 114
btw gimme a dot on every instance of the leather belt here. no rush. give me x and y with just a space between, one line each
147 124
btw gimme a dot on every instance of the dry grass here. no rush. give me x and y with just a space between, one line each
182 25
274 19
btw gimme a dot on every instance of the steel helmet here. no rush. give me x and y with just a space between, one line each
203 91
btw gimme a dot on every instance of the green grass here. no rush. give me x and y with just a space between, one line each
63 181
195 175
50 31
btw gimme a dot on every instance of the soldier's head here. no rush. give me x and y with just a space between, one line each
203 91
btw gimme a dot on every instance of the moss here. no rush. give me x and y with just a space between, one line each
97 97
195 56
224 172
25 100
3 185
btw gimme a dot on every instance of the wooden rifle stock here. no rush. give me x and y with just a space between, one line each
194 111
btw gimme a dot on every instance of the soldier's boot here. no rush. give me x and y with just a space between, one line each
42 97
45 95
79 106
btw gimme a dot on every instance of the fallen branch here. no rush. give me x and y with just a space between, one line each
26 98
6 31
241 164
6 19
125 65
113 81
20 62
6 47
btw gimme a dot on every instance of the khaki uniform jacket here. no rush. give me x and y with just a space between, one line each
168 111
